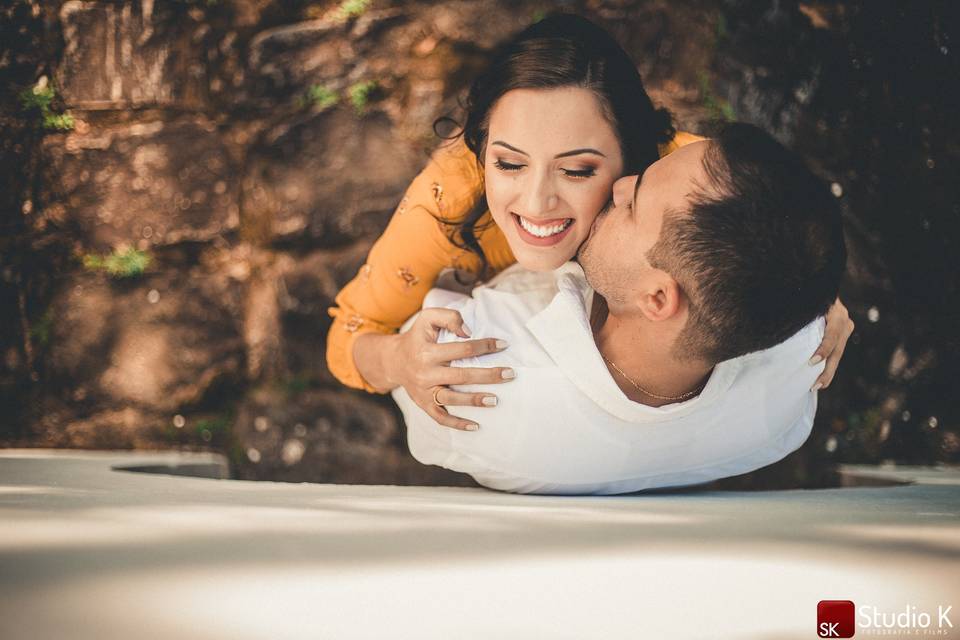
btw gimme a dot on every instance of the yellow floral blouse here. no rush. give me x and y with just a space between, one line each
406 260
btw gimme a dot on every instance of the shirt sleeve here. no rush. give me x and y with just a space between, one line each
405 261
680 139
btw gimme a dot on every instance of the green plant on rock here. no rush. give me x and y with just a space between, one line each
719 108
213 429
122 263
360 94
59 121
352 9
40 97
722 30
294 385
321 96
236 455
40 330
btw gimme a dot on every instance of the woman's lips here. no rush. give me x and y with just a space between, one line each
546 241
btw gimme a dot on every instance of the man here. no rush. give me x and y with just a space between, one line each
689 364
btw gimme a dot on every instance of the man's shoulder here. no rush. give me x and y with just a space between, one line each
798 347
783 371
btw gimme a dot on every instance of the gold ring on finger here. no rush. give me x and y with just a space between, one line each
435 392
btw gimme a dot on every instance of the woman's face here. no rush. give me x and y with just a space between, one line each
549 165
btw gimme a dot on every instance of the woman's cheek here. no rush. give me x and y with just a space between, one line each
495 199
589 204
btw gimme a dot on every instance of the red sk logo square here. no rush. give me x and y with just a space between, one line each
835 619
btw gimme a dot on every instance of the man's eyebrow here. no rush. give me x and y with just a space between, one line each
565 154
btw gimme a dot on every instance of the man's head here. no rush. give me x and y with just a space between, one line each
734 240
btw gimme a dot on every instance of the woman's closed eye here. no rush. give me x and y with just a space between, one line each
588 172
580 173
506 166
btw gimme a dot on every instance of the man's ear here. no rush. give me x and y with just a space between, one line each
662 299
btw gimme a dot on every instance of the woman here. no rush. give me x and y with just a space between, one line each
560 114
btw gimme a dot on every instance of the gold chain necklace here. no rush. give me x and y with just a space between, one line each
653 395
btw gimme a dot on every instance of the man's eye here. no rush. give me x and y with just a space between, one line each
506 166
580 173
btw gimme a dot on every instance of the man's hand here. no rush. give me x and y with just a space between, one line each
838 331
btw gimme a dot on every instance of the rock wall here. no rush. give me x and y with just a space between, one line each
250 151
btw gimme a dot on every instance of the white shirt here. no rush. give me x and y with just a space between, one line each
563 426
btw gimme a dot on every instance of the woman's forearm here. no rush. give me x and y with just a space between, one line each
371 355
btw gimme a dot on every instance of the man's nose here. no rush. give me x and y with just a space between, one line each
541 195
623 189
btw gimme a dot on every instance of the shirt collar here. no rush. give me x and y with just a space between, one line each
563 330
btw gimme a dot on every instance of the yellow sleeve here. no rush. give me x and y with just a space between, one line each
680 139
405 261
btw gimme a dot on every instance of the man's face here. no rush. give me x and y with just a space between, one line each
614 255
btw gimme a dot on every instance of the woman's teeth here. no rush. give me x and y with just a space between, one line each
544 231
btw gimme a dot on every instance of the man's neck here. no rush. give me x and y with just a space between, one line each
641 350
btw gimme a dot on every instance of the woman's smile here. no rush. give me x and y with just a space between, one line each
542 233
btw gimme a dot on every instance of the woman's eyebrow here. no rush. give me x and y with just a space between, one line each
577 152
565 154
508 146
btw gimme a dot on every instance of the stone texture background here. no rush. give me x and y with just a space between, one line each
193 142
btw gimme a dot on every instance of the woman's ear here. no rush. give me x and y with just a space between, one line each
662 299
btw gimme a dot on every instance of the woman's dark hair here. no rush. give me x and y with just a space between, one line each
563 50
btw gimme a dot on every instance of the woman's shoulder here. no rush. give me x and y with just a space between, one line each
455 180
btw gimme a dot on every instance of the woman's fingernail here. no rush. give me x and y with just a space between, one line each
472 427
508 374
501 344
817 386
465 329
815 359
489 401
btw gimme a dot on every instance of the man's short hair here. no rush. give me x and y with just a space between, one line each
760 260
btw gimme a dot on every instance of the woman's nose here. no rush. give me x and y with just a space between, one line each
541 196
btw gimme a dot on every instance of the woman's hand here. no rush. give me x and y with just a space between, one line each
417 363
835 336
